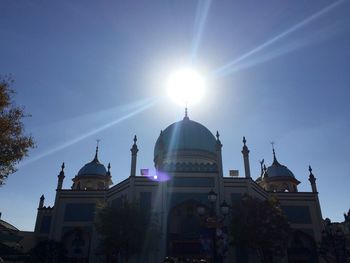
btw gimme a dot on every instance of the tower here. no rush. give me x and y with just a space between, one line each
134 151
245 153
60 178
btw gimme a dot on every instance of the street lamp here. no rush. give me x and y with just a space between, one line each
212 221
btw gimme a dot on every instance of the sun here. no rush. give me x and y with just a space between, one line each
186 87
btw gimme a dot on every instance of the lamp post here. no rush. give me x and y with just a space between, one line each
212 221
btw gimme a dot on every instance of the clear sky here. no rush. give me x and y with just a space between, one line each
277 71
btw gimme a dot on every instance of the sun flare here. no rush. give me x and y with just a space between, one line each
186 87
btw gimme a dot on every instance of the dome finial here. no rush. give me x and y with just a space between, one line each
186 113
96 154
135 139
217 135
244 141
274 153
62 167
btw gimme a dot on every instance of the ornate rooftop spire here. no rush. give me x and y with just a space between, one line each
312 180
96 154
262 166
311 174
186 114
109 169
134 148
275 162
62 167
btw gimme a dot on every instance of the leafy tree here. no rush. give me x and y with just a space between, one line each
335 244
48 251
126 230
261 227
14 143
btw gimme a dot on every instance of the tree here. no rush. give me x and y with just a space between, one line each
48 251
335 244
14 143
261 227
126 230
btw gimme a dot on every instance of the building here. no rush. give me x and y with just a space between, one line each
188 164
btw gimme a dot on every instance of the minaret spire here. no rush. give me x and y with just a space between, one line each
41 202
134 151
245 152
312 180
96 153
274 154
60 177
186 113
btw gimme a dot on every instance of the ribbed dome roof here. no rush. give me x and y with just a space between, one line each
93 168
277 169
186 135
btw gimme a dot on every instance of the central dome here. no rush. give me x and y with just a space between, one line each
186 135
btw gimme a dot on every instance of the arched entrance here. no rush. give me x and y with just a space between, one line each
184 230
77 244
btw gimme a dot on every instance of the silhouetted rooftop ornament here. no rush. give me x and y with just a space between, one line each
96 154
261 166
311 174
109 169
186 114
62 167
275 162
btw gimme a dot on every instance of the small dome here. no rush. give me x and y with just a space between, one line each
186 135
93 168
277 169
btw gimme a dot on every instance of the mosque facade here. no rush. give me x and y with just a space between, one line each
188 165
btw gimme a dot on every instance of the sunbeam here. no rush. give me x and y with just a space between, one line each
64 145
227 69
277 52
199 24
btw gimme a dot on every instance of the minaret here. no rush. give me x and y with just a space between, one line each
219 153
60 178
134 151
312 180
245 153
41 202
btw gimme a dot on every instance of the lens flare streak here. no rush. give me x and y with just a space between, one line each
199 24
227 69
90 133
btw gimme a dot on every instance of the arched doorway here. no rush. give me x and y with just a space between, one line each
184 230
77 244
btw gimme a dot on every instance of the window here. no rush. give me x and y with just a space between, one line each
297 214
79 212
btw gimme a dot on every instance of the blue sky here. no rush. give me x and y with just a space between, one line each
277 71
